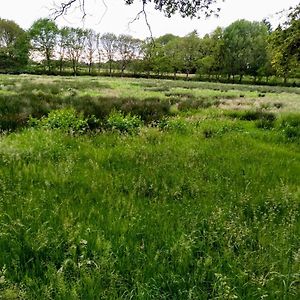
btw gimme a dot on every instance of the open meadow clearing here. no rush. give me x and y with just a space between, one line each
116 188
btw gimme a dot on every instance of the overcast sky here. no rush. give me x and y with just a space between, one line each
117 16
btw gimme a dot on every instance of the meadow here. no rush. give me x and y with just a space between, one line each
117 188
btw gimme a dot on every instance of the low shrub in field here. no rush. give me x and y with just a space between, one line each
117 121
263 119
149 109
65 119
195 104
252 115
290 125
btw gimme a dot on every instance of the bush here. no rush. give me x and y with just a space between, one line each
253 115
150 109
65 119
117 121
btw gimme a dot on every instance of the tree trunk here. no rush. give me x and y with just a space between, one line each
110 67
241 78
187 74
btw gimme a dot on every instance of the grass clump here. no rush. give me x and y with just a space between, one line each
290 125
173 124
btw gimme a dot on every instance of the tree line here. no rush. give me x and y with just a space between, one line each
242 49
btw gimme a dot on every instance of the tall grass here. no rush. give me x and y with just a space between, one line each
205 205
156 215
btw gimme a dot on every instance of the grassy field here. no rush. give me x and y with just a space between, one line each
198 197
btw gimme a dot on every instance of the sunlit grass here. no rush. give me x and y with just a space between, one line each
202 204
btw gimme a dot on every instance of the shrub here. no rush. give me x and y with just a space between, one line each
150 109
65 119
253 115
117 121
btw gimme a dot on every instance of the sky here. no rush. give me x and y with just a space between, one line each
116 17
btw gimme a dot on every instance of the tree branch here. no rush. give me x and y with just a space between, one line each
63 8
144 13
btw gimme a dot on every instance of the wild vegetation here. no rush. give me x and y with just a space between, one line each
243 51
148 189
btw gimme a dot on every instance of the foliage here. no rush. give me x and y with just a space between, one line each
151 100
174 125
43 33
245 47
75 45
117 121
65 119
14 46
284 45
251 115
109 42
290 125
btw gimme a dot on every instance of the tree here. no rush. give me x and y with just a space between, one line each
190 49
14 45
109 44
244 48
186 8
292 31
156 52
43 35
128 49
99 50
76 39
284 44
62 44
148 50
205 60
174 56
91 47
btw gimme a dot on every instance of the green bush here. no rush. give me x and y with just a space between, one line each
117 121
65 119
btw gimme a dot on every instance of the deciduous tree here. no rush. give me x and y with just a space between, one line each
76 39
128 49
109 44
44 33
244 47
14 45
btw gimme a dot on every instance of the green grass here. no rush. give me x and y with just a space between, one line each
205 205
